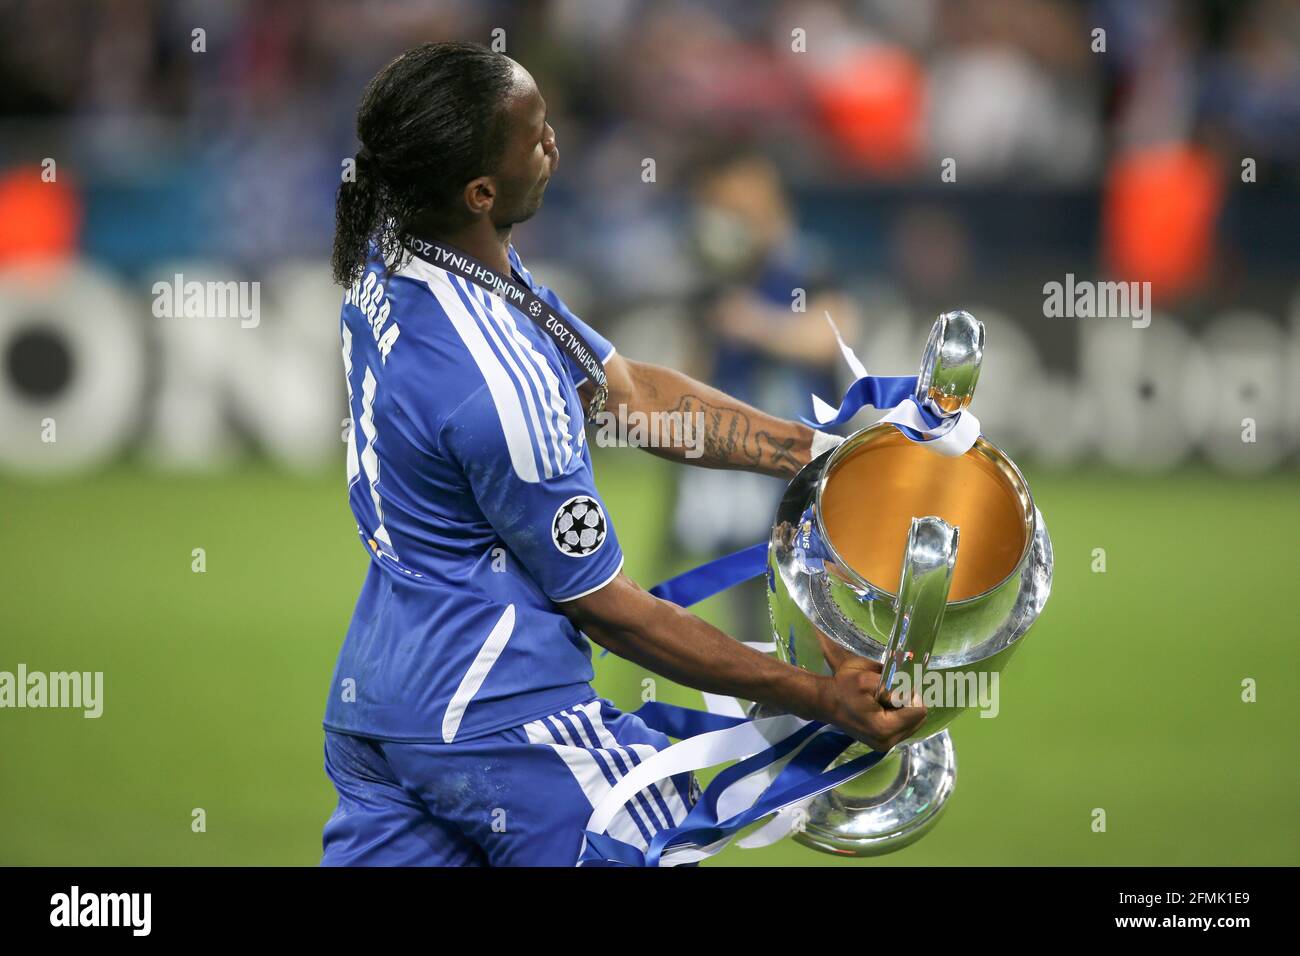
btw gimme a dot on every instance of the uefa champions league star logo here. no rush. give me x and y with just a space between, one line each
534 309
579 528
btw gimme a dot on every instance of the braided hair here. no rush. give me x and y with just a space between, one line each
429 122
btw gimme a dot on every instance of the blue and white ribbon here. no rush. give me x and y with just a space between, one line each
783 760
897 393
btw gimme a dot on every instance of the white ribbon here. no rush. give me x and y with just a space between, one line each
823 410
954 436
776 829
694 753
723 706
824 441
855 364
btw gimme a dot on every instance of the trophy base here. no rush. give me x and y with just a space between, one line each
889 807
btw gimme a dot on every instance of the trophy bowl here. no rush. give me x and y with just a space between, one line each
933 565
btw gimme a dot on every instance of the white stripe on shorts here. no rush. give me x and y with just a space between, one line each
591 760
664 789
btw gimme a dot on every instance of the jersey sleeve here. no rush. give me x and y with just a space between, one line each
537 492
604 347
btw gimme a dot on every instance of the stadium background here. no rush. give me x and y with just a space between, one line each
1123 164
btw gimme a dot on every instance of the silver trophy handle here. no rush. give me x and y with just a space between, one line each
922 599
950 366
950 369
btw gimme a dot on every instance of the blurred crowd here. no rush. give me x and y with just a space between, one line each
732 171
239 130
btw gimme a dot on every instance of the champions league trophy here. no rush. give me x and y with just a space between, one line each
889 549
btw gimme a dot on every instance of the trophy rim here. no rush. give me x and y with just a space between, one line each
856 440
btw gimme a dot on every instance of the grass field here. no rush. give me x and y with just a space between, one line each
1126 697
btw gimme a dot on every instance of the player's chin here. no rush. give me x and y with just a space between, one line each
530 210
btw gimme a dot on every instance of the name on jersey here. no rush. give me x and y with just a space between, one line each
367 294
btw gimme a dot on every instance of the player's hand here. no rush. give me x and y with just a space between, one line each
853 708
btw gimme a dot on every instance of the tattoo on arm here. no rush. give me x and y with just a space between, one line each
728 440
780 454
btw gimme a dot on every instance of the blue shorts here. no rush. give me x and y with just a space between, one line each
520 797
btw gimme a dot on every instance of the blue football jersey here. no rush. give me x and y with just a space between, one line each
471 482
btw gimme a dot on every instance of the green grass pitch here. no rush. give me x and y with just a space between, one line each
1126 696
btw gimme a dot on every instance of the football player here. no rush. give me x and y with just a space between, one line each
461 726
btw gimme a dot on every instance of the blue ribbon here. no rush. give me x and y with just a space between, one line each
684 722
716 576
713 577
878 391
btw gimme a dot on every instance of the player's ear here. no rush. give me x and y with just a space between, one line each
480 194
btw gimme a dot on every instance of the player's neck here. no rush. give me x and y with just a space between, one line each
481 240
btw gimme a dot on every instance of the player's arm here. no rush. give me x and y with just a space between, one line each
673 642
735 435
